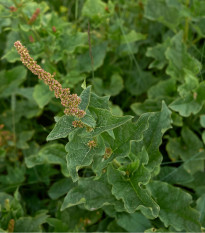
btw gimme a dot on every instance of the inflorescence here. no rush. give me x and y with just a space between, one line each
69 101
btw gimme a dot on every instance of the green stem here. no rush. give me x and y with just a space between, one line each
186 27
13 107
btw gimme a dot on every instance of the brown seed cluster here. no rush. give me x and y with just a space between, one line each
34 16
69 101
92 144
5 136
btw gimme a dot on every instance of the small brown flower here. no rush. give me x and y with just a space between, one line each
54 29
12 8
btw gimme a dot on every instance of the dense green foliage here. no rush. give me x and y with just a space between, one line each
138 67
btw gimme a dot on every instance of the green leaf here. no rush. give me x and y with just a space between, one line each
30 224
92 193
99 102
139 81
59 225
131 37
50 154
162 89
98 54
200 206
85 98
189 148
22 139
159 123
174 175
60 188
162 12
70 41
175 207
158 53
42 95
94 10
106 121
120 145
186 105
202 120
128 188
11 79
11 56
80 154
191 82
113 88
62 128
179 59
135 222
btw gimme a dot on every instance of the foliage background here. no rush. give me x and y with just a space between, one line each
138 52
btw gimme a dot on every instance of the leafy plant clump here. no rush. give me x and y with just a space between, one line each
126 152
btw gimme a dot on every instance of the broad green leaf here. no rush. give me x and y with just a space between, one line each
179 59
50 154
106 121
175 207
128 188
11 79
99 102
94 10
113 88
14 177
11 56
42 95
60 188
175 175
131 37
162 89
190 149
89 120
149 105
30 224
135 222
202 120
92 193
186 105
80 154
85 61
191 82
162 12
59 225
85 98
200 206
159 123
22 139
114 227
70 41
120 145
139 81
198 184
79 218
62 128
158 53
26 92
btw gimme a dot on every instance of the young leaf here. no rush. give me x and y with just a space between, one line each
106 121
62 128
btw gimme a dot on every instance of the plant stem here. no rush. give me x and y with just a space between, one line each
186 28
